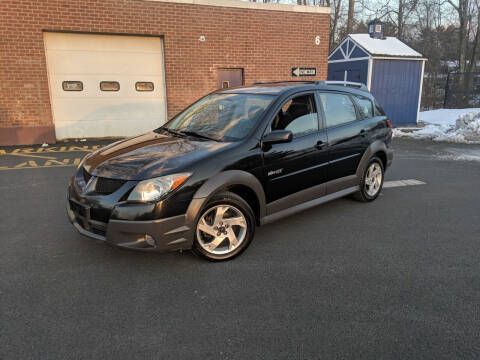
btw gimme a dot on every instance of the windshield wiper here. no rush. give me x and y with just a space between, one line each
176 133
197 134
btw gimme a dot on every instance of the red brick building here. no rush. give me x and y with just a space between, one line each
94 68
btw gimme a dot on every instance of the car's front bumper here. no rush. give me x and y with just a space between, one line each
166 234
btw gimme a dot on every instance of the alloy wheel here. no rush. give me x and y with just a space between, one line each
221 229
373 179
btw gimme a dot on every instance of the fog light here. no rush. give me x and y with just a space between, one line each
150 240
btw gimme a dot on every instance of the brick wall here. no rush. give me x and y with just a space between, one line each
265 43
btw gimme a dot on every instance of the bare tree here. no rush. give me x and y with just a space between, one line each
461 7
336 8
351 11
397 12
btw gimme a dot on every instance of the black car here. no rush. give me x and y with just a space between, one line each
234 159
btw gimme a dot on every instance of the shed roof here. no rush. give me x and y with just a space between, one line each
389 46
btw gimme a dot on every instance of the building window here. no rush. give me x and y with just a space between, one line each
144 86
72 86
225 84
109 85
371 28
378 28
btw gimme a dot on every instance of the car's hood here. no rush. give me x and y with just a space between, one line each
149 155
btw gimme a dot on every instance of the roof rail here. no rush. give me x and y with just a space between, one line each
357 85
285 81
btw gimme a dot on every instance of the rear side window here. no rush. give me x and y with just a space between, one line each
365 106
338 109
378 109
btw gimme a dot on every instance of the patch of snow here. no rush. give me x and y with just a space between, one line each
83 140
44 145
444 116
453 125
388 46
464 157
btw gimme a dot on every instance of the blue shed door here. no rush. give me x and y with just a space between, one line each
346 75
396 85
356 71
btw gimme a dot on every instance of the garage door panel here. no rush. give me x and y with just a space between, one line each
109 109
72 62
115 128
94 42
91 87
95 58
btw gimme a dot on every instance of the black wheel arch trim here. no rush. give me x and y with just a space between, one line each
375 147
219 182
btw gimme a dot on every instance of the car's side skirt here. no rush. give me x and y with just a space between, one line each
308 204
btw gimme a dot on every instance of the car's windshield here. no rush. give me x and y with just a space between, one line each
222 117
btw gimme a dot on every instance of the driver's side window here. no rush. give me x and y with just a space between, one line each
299 115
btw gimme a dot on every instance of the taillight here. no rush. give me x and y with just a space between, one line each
389 124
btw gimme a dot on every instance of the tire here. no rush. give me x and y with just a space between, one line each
227 216
366 192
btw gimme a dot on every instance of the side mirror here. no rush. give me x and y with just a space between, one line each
277 137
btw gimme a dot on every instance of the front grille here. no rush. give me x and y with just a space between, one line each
105 186
78 209
102 215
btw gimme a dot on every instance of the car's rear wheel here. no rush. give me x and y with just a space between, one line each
224 228
372 181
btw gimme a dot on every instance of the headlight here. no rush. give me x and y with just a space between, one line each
154 189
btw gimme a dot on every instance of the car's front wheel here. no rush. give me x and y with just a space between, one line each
372 181
224 228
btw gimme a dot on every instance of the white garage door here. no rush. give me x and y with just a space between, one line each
105 85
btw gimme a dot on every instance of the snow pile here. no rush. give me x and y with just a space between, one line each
470 125
453 125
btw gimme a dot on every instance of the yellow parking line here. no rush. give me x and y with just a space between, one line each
34 167
32 164
34 156
52 149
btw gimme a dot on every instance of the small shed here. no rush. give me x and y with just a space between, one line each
390 69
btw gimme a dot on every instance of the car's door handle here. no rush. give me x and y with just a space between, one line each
320 144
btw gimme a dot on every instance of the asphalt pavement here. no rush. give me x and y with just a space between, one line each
398 278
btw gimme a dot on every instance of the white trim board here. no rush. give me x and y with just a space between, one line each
398 58
350 52
420 92
252 5
369 73
348 60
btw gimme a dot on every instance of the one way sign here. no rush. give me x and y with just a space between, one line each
304 71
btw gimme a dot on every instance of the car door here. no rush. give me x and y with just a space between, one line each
372 123
300 164
346 135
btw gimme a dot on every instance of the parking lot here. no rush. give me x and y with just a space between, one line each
396 278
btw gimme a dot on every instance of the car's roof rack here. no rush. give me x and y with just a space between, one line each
357 85
285 81
352 84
